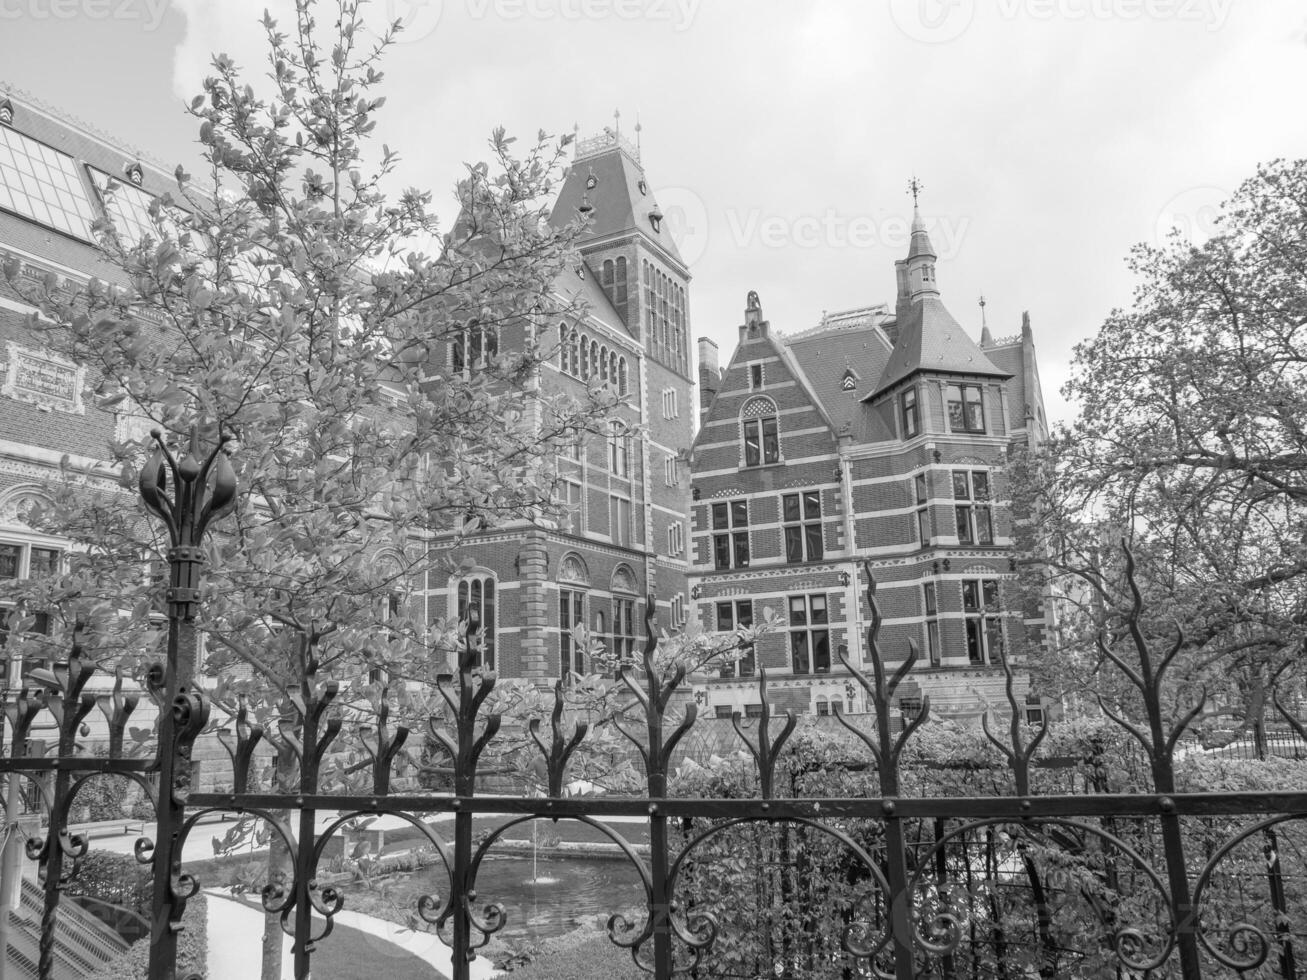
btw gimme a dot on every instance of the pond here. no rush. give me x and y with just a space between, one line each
567 892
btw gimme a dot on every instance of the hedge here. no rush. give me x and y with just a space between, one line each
192 949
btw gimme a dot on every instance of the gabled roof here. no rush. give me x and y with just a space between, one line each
621 199
931 340
584 289
824 356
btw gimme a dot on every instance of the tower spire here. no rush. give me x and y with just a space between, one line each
986 338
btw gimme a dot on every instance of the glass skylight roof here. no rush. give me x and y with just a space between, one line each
43 184
127 206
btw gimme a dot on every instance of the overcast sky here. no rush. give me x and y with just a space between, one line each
779 137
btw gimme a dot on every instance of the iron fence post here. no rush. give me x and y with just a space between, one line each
194 503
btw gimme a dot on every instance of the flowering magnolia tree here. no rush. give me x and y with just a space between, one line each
282 299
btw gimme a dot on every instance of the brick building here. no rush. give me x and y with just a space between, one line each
879 434
627 491
54 175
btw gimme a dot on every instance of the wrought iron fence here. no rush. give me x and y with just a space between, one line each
879 882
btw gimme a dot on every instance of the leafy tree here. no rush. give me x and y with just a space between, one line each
1190 445
283 299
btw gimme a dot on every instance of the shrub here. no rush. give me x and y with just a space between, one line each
118 879
192 949
568 958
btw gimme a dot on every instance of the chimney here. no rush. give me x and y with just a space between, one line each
903 299
710 374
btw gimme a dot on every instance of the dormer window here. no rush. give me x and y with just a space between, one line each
656 219
134 173
591 182
7 113
642 187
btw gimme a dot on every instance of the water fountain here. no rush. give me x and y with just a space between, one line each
535 878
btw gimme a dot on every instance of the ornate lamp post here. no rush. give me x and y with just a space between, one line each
203 490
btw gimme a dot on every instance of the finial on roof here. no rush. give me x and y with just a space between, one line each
638 127
1026 332
617 121
986 338
915 187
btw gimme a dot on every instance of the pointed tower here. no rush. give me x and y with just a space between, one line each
630 254
629 247
930 342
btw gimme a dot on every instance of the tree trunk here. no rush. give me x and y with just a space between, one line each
279 868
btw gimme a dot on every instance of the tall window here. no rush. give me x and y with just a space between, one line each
571 613
26 561
980 606
908 410
573 502
731 617
932 621
966 409
569 350
923 509
623 627
755 376
809 634
621 376
801 513
678 610
730 540
619 450
619 512
474 346
476 608
761 433
671 471
670 409
676 538
974 514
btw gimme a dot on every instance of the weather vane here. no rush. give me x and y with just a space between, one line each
915 187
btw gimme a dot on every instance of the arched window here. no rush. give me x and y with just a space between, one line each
476 615
585 357
573 581
619 287
624 590
473 347
603 363
594 358
621 377
761 432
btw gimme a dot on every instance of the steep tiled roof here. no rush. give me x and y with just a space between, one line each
574 287
931 340
823 356
621 200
